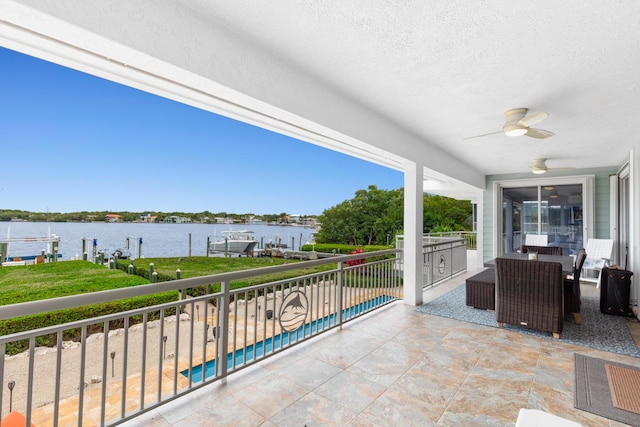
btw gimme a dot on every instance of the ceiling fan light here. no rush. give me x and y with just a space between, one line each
538 171
514 130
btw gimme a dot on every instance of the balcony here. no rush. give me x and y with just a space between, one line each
377 361
396 366
298 70
129 362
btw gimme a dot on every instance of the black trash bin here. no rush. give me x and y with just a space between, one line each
615 286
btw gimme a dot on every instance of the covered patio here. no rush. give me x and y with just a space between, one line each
399 367
421 88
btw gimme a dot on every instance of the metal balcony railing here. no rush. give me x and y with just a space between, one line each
469 236
444 255
130 362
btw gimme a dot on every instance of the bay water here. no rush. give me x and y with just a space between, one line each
158 240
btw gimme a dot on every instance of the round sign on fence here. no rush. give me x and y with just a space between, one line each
293 311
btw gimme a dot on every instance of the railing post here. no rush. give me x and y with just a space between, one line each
430 262
451 259
223 338
339 291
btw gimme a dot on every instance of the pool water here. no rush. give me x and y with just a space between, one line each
252 351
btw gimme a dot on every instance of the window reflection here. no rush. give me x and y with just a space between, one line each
551 210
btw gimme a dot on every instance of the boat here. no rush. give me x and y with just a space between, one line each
51 253
234 241
122 254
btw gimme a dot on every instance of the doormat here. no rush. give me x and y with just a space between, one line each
593 394
624 384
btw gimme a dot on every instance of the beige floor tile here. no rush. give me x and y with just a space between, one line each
398 367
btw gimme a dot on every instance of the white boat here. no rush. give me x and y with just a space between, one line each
52 242
234 241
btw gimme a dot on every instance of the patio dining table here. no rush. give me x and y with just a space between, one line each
566 261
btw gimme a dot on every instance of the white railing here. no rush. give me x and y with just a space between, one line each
443 257
469 236
130 362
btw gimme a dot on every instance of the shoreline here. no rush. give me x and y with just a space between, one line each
159 240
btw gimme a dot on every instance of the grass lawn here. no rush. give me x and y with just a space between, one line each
52 280
204 266
43 281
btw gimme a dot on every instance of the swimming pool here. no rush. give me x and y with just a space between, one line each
285 338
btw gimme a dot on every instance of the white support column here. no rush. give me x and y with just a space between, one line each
508 226
634 222
413 214
479 261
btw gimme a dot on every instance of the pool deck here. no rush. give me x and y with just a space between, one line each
396 366
393 366
246 333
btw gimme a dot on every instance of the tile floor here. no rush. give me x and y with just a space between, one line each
397 367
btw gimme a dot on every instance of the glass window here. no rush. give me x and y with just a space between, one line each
554 211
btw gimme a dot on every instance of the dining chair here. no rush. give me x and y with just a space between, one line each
599 254
572 287
536 240
542 250
530 294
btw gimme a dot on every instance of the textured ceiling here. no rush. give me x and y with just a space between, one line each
446 70
387 79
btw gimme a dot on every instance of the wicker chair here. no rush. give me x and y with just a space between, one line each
542 250
530 294
572 288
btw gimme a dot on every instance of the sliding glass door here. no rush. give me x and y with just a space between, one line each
620 215
551 210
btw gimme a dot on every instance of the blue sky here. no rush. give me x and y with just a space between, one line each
72 142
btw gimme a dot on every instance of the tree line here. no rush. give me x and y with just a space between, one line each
126 216
374 217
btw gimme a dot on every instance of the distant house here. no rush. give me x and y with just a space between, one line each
293 218
175 219
112 218
310 222
148 218
254 220
223 220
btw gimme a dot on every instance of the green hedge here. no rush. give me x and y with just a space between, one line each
342 249
123 265
28 323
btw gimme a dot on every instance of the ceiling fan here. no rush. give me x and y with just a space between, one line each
518 123
540 166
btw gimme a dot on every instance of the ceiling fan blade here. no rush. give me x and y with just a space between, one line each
539 133
485 134
533 118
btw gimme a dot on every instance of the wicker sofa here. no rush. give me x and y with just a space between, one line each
530 294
